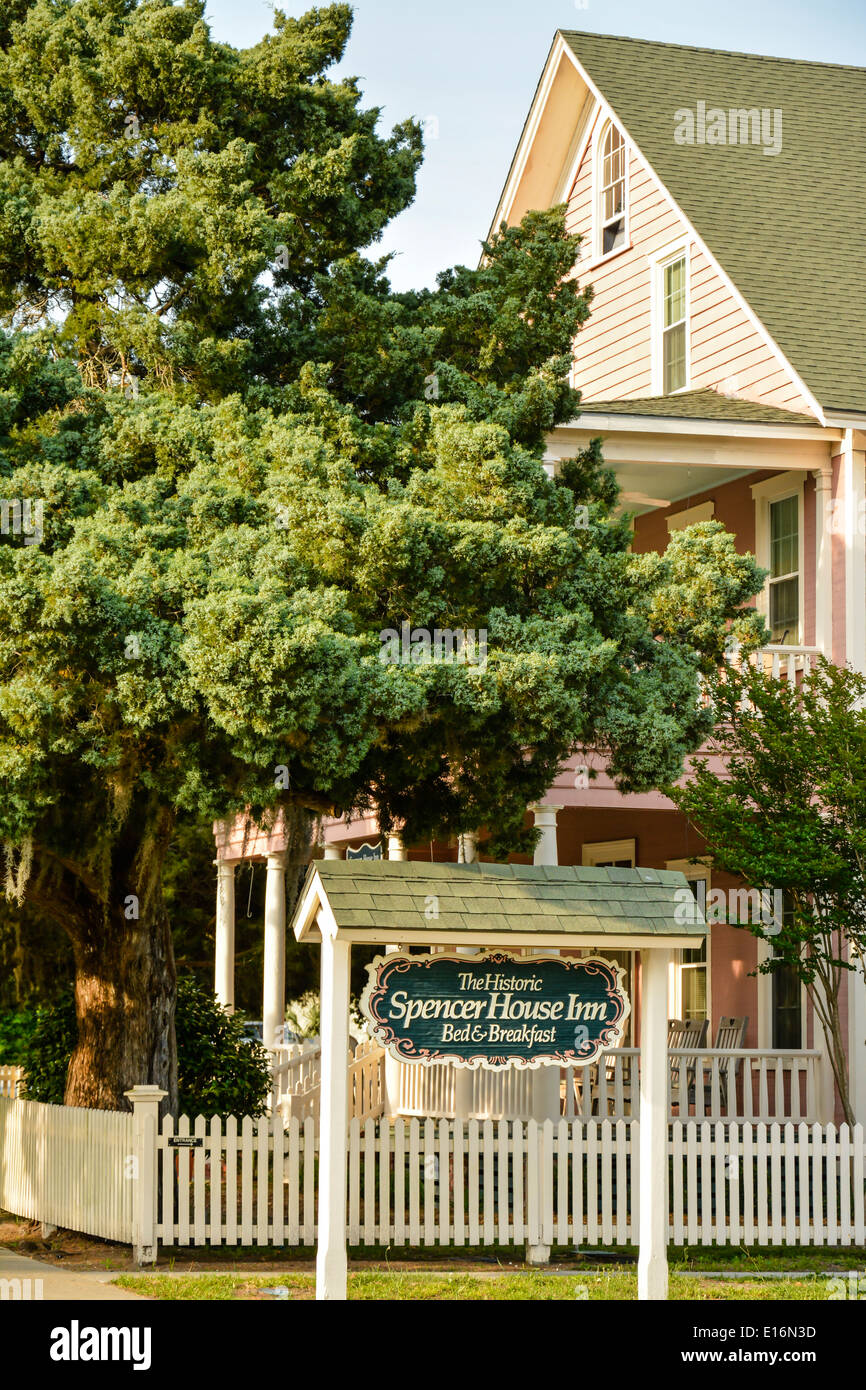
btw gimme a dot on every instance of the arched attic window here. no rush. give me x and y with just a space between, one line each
611 180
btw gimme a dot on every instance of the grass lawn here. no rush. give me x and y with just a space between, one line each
388 1284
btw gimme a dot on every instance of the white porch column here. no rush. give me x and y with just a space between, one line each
333 852
545 821
857 1043
467 847
331 1263
274 966
854 483
652 1267
823 560
224 936
396 848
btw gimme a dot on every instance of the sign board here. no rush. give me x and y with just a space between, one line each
496 1011
185 1141
365 851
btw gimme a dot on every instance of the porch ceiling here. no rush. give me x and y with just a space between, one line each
493 904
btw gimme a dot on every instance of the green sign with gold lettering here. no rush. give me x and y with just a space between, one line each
496 1010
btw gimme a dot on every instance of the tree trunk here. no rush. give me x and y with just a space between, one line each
125 980
125 989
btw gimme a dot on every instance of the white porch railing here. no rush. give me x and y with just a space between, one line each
741 1085
300 1091
11 1080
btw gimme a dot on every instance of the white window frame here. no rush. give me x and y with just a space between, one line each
789 484
593 854
765 1001
704 511
695 873
598 255
676 251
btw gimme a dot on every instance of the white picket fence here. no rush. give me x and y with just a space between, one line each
573 1183
68 1167
431 1182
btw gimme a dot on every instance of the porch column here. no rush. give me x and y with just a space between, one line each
857 1042
274 966
854 483
545 1080
333 852
331 1263
652 1266
545 821
396 848
467 847
823 560
224 936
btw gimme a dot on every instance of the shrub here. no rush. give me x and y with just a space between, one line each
47 1051
220 1072
16 1026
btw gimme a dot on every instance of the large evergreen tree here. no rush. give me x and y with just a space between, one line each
248 477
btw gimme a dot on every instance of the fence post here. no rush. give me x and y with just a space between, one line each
145 1120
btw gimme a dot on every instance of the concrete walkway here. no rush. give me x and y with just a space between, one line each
56 1283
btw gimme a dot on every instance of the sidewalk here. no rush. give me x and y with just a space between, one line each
57 1284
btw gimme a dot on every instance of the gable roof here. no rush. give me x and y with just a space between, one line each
702 404
787 228
370 897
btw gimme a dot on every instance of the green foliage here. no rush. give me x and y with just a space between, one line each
149 176
789 813
46 1053
220 1072
309 461
16 1028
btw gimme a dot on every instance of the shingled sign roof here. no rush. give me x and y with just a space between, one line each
494 900
784 226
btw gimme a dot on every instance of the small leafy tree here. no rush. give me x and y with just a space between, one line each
789 813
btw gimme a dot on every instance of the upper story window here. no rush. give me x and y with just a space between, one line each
611 191
669 281
674 326
784 580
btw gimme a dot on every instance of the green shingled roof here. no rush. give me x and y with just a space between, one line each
787 228
503 899
705 404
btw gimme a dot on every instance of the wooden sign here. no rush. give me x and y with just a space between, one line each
496 1011
185 1141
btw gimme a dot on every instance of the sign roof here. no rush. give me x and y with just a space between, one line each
390 900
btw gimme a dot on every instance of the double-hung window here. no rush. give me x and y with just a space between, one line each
784 580
674 326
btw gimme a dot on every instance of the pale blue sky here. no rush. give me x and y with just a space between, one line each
473 65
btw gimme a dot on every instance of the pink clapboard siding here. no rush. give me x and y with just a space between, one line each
613 350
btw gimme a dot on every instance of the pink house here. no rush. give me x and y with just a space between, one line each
723 368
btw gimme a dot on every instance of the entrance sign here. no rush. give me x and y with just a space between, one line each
496 1011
